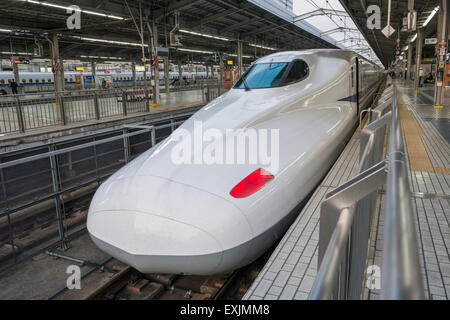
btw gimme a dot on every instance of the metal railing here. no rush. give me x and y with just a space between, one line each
20 113
43 87
44 191
347 213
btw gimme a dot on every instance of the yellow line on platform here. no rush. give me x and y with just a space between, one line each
417 153
418 156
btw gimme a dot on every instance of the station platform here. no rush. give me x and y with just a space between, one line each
292 268
172 105
42 112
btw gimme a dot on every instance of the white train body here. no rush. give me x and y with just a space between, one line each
161 217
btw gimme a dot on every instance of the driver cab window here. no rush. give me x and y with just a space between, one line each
298 71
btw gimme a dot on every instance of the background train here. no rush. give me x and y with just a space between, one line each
162 216
30 79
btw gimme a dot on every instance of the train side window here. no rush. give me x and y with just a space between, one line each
2 81
42 80
30 80
9 80
37 80
24 80
299 70
49 80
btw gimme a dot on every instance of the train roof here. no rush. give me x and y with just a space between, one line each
288 56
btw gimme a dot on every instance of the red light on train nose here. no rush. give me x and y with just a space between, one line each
252 183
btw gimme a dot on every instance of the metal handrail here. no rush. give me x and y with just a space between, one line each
401 277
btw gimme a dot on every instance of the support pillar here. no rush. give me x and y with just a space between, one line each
408 65
442 37
419 42
94 73
239 57
221 73
155 65
180 74
58 68
16 75
207 71
133 73
166 74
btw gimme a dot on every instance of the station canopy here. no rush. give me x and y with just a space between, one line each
331 18
387 49
109 29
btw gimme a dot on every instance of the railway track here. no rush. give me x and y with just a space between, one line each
130 284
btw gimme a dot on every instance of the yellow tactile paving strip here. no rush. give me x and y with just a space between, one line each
417 154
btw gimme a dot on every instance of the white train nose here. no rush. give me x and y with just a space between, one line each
148 242
160 226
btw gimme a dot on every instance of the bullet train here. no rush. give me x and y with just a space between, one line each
29 79
160 215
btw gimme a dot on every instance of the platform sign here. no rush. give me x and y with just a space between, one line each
388 31
431 41
79 68
87 80
230 62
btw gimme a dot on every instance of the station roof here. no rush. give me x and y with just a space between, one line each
384 47
108 31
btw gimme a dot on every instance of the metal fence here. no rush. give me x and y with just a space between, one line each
45 191
19 113
347 212
174 85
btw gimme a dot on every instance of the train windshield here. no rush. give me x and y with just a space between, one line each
263 75
276 74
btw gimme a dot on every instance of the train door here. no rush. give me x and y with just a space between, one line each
355 79
354 86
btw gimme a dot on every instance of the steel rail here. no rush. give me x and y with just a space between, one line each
400 277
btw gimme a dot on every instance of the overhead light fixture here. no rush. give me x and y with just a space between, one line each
235 55
98 57
204 35
17 53
113 42
414 38
262 47
5 30
432 14
194 50
54 5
